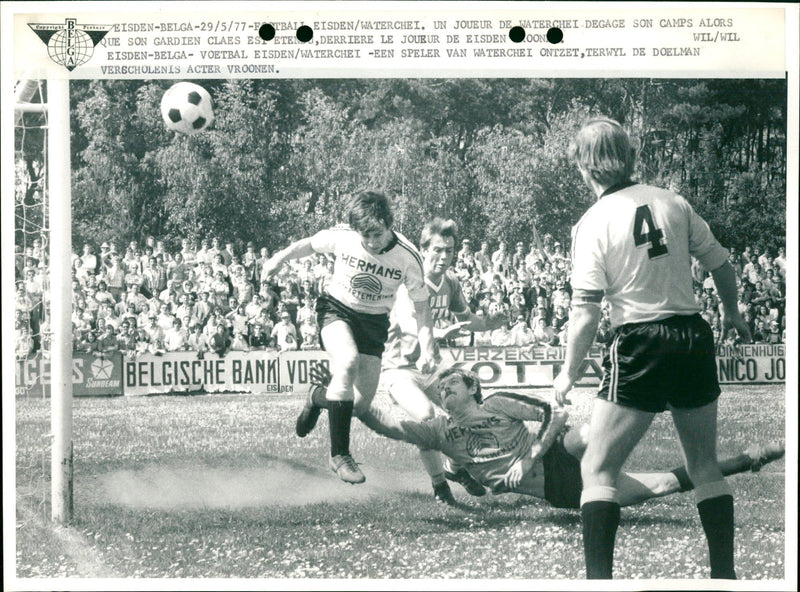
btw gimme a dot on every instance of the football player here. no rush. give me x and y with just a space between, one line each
372 261
634 247
518 443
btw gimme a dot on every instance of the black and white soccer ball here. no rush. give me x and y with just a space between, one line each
187 108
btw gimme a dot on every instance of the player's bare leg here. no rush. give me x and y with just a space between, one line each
697 430
345 366
407 395
613 432
635 488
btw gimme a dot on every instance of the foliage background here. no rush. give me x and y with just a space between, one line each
491 153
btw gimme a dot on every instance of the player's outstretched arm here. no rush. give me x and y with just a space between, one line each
296 250
478 324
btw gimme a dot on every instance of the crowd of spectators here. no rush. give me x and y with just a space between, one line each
210 297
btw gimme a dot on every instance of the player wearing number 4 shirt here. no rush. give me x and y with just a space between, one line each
371 263
633 247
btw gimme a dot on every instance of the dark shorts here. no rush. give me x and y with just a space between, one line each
562 476
667 363
370 331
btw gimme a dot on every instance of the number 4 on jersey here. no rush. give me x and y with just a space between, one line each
654 235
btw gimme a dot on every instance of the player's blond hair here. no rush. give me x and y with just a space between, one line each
604 150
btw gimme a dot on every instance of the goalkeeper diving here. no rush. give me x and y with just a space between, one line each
522 443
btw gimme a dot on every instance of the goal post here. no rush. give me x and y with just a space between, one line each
50 219
60 207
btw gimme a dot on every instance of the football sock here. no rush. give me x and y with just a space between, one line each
716 515
683 478
600 521
728 466
339 415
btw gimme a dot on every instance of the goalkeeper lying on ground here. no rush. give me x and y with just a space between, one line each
521 443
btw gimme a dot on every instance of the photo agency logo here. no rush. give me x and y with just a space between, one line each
70 45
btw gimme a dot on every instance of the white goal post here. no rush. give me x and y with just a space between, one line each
59 205
60 202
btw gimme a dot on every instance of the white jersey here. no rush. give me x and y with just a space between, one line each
368 283
446 298
634 245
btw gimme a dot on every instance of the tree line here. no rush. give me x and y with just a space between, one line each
491 153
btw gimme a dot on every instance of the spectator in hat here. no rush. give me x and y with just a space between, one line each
154 331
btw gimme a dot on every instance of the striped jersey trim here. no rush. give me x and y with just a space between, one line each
410 248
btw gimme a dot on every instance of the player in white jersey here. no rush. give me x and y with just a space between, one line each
515 443
371 262
633 246
413 390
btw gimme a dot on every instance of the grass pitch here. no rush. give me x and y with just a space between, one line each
219 486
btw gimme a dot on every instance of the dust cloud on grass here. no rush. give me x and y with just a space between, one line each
277 483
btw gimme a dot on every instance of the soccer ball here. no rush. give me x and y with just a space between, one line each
187 108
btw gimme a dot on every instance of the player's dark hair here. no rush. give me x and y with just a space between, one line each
440 226
468 377
368 210
604 150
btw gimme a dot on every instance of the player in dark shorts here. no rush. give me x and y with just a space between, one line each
371 262
633 248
